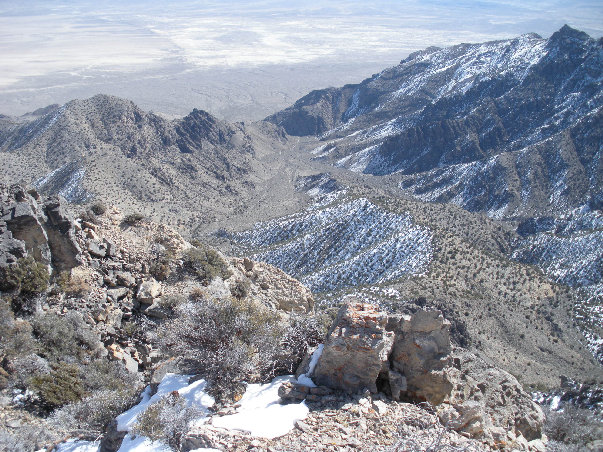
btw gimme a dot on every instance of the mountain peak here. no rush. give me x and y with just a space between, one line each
568 32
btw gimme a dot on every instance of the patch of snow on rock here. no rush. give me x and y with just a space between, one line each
261 413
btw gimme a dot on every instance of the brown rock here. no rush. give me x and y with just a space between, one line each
355 350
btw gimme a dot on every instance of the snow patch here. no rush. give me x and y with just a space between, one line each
304 379
261 413
193 393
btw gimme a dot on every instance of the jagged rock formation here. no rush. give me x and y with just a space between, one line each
356 349
32 227
411 357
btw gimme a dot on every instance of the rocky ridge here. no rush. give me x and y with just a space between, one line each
108 148
508 127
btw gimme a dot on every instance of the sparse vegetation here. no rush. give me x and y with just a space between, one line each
571 429
205 263
166 420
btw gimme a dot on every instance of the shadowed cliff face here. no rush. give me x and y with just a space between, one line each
445 119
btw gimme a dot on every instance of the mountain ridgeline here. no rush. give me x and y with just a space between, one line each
512 128
107 147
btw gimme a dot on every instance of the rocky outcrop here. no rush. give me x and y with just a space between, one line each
488 403
356 349
410 357
272 286
30 226
420 353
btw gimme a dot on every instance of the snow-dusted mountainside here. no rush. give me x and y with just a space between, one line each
342 244
397 252
569 249
511 127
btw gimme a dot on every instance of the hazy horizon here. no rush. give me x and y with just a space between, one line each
82 47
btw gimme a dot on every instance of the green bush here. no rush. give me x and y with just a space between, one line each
205 263
27 276
61 386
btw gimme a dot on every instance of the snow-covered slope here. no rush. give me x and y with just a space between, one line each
347 242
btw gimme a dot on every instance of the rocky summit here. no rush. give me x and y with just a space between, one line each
411 262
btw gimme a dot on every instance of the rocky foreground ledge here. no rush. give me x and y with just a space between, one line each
410 358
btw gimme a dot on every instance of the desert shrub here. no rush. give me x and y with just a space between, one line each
205 263
103 374
240 288
27 276
15 335
133 218
171 301
196 293
88 216
94 413
98 208
61 386
226 341
572 426
302 333
73 285
64 336
166 420
159 267
27 438
28 366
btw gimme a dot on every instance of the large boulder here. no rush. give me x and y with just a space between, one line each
420 353
356 349
148 291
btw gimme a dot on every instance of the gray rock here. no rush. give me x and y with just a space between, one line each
397 384
156 311
117 294
148 291
125 279
421 351
112 439
97 249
